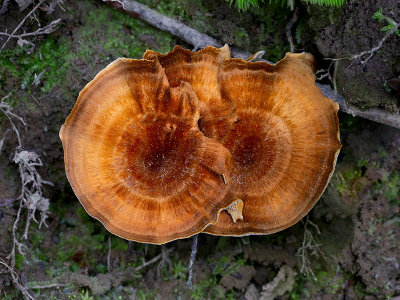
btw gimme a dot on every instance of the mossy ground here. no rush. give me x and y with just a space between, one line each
261 28
91 36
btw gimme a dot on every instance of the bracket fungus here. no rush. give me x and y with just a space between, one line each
171 145
284 145
136 158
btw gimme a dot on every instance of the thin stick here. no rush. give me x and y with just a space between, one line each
289 28
16 282
49 28
164 259
151 261
22 22
190 267
191 262
109 255
4 7
48 286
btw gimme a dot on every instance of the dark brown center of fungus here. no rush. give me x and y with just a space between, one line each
260 150
158 155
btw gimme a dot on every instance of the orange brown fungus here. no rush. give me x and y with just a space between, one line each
157 149
201 69
136 159
284 145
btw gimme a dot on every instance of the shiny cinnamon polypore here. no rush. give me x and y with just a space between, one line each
284 145
136 159
157 149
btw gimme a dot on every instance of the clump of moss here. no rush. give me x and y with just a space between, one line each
109 33
50 58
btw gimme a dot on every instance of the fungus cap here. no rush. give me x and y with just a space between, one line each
284 145
136 158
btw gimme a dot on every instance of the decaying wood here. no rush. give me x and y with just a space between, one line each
200 40
373 114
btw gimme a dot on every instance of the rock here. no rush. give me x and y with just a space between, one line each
240 279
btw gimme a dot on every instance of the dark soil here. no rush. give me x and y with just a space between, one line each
352 30
358 215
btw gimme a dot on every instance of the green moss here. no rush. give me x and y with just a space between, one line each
259 29
299 290
321 17
18 261
50 57
145 294
109 33
390 187
329 282
173 9
179 269
119 244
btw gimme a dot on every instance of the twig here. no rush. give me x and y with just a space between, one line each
109 255
371 51
308 247
191 262
335 68
48 286
49 28
323 73
4 7
15 279
373 114
164 259
189 283
6 109
22 22
289 28
364 56
151 261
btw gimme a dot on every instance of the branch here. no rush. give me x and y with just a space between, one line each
373 114
189 283
22 22
47 286
289 26
15 279
49 28
199 40
4 7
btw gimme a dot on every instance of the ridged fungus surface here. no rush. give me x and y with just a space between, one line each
136 159
201 70
284 145
170 145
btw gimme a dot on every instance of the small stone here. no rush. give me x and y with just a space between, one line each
240 279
